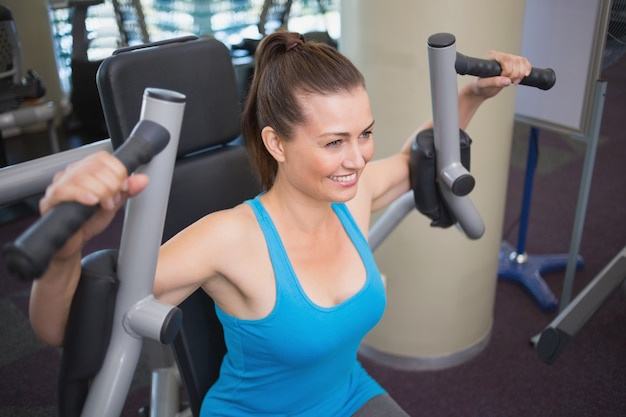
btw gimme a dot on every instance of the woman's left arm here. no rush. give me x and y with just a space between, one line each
387 179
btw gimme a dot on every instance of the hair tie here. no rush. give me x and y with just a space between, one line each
293 43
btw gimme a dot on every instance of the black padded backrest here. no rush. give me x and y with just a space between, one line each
212 171
200 68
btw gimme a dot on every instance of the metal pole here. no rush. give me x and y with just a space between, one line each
583 194
140 243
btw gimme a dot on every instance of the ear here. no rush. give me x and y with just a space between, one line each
273 143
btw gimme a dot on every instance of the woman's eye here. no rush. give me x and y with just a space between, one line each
367 134
333 144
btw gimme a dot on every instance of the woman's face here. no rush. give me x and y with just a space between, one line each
327 154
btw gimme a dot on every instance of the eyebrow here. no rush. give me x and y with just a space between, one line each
345 134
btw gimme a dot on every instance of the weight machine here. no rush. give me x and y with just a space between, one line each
95 380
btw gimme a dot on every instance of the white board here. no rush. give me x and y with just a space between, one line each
567 36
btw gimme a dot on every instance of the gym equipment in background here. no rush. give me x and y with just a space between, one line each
560 333
20 93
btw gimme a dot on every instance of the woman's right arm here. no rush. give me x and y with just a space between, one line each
98 179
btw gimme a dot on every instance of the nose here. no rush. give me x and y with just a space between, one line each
355 156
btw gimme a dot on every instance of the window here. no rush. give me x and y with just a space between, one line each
111 24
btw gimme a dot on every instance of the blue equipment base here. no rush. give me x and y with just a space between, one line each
526 270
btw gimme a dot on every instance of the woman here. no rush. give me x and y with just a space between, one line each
294 282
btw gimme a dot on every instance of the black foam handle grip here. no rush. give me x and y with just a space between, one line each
542 78
29 256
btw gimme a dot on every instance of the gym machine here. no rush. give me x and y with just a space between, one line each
440 174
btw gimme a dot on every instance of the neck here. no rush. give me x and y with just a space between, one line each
293 210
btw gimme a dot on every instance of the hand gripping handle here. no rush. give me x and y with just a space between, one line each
542 78
29 256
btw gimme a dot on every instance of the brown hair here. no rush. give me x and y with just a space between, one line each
287 66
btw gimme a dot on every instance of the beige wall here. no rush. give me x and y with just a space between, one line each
441 285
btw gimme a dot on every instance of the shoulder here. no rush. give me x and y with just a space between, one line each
241 214
205 248
216 252
214 238
224 227
236 257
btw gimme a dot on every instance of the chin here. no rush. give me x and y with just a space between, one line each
345 196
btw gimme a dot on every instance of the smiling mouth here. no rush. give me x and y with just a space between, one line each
343 178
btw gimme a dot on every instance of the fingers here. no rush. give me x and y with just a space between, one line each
99 178
490 86
514 67
136 184
493 82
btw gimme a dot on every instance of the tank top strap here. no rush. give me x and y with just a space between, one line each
278 254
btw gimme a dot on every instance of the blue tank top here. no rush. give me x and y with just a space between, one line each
300 360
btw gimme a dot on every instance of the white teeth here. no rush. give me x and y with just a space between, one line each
344 178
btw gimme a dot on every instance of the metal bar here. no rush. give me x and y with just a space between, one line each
583 194
30 178
139 246
386 224
559 334
531 165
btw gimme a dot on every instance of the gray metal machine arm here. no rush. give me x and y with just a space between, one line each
452 177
